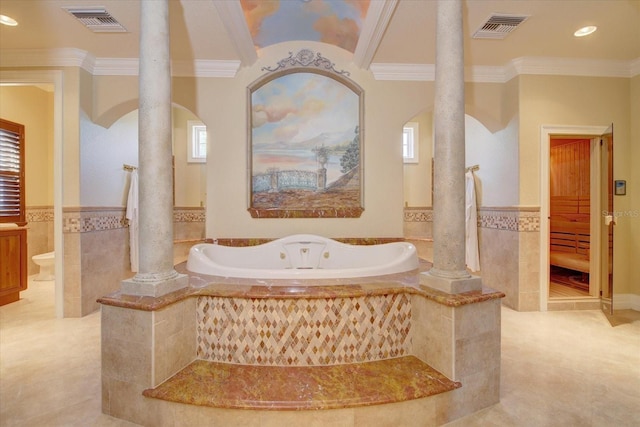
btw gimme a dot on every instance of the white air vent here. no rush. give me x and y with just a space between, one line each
499 25
96 19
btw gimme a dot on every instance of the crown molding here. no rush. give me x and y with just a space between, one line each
115 67
378 17
516 67
205 68
572 67
62 57
413 72
71 57
635 68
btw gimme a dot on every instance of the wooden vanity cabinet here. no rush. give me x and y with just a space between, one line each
13 264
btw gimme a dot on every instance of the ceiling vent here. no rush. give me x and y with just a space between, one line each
499 25
97 19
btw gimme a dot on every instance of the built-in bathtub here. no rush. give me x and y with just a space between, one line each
233 351
303 256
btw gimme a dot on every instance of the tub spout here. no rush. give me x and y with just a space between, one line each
304 258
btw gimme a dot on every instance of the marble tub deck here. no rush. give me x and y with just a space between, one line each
412 282
242 386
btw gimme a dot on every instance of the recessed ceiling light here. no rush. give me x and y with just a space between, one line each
585 31
7 20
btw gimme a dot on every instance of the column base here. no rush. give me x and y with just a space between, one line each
451 285
154 287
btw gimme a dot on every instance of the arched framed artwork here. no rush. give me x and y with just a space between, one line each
305 134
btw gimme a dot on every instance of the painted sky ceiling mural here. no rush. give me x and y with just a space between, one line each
336 22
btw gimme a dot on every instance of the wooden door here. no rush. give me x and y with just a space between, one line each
607 192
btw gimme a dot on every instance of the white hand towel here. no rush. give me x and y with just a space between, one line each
132 216
472 256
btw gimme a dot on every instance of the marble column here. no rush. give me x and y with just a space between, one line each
449 272
156 274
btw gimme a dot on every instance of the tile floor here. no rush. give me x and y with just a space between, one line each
570 368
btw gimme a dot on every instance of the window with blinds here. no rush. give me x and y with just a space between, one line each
12 172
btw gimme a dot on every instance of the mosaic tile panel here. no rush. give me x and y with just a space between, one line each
418 215
512 220
93 220
44 214
303 332
82 220
189 215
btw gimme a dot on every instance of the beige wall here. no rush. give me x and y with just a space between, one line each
417 176
33 107
633 186
519 106
581 101
388 106
227 216
190 178
575 101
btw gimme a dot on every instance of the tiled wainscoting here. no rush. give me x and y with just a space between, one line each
39 234
96 248
509 239
96 256
510 254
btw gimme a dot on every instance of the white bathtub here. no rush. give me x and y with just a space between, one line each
302 256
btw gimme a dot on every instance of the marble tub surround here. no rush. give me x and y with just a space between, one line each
224 385
231 241
440 333
303 332
200 284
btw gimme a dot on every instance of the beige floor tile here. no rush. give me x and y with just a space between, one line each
566 368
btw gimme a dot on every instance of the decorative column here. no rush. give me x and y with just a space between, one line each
449 273
156 274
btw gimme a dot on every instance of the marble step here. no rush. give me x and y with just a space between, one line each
223 385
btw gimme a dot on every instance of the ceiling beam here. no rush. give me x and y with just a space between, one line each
232 16
375 24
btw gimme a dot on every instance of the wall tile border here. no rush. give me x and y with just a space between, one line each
88 219
187 214
39 213
418 214
523 219
509 218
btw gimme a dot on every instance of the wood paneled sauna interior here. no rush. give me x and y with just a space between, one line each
569 216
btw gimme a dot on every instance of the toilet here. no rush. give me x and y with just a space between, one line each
46 262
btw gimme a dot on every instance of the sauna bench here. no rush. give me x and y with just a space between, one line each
569 245
224 385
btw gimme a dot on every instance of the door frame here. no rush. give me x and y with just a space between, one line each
546 131
56 78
